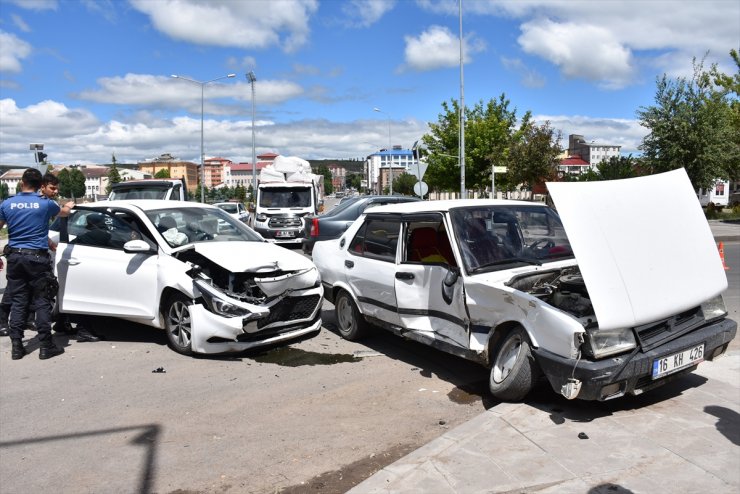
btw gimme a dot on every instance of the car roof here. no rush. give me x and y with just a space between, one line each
446 205
148 204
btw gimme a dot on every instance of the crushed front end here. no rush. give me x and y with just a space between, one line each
262 306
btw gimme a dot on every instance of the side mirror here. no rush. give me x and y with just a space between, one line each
448 284
137 247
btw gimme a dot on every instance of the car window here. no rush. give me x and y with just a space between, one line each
377 239
185 225
101 229
427 242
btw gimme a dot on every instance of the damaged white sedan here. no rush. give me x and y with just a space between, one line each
617 293
210 281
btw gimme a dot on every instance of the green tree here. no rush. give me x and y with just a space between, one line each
691 127
4 193
162 173
324 170
77 183
240 193
65 183
533 155
354 181
404 184
114 176
615 168
729 87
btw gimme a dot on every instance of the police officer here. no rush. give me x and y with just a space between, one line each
29 274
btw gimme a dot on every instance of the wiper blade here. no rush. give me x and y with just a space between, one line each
508 260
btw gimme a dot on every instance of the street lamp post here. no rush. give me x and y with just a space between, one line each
390 156
252 79
202 151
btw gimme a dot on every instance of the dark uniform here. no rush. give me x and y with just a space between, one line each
29 274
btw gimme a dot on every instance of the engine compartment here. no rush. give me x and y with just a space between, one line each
561 288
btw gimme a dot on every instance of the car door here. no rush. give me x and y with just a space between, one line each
98 277
426 305
370 267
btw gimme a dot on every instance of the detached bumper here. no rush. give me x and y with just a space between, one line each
631 373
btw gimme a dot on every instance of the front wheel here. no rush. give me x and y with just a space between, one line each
514 371
178 323
351 324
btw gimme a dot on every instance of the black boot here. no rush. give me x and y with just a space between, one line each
18 351
84 334
50 351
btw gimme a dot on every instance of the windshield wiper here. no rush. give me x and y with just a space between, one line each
508 260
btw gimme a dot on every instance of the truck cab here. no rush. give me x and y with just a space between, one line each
280 210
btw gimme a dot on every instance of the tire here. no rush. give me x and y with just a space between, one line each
178 323
513 371
350 323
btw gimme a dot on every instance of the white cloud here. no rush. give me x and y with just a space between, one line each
36 4
364 13
252 24
20 23
170 93
438 47
529 76
581 51
13 51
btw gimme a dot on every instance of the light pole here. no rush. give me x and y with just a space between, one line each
390 157
202 152
252 79
461 153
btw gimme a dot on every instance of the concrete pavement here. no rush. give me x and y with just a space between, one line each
681 438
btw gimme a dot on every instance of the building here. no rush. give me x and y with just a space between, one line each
177 169
214 171
573 165
385 162
241 173
591 152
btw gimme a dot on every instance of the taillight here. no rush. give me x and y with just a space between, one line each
315 227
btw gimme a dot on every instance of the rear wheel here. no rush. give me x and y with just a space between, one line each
514 371
351 324
178 323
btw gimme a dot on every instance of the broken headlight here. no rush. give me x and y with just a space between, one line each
601 343
714 308
219 304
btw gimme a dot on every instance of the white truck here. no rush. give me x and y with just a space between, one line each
287 191
150 188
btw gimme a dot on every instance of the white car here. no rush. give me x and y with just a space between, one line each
209 280
235 209
618 297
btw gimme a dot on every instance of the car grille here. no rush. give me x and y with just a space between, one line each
291 309
272 332
656 334
285 222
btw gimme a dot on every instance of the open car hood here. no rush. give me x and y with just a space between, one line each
643 245
240 257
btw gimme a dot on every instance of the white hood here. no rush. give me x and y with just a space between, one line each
252 257
643 246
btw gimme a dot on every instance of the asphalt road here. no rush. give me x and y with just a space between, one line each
129 415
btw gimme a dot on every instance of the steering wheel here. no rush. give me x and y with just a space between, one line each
548 244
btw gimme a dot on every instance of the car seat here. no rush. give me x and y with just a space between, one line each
423 246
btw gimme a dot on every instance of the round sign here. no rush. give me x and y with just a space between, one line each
421 189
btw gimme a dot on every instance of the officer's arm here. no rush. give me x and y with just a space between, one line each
66 208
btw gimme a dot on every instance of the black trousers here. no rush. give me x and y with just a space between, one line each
29 277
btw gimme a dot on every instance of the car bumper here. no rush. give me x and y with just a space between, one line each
631 374
293 318
271 236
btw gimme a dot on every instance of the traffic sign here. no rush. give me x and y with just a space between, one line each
421 189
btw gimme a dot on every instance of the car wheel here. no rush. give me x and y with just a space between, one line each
178 323
351 324
514 371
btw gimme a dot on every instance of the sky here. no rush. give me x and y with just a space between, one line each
91 79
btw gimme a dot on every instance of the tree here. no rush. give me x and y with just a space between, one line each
533 156
65 184
691 126
162 173
404 184
4 193
729 86
77 183
113 176
616 167
324 170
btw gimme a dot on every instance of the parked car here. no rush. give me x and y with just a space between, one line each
332 224
235 209
616 298
208 280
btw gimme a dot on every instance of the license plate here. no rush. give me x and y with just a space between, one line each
284 233
673 363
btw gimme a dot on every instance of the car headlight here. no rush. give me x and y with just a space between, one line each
261 217
714 308
221 306
605 342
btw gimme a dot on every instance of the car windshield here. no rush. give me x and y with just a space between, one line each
500 237
139 192
285 197
229 208
342 206
182 226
